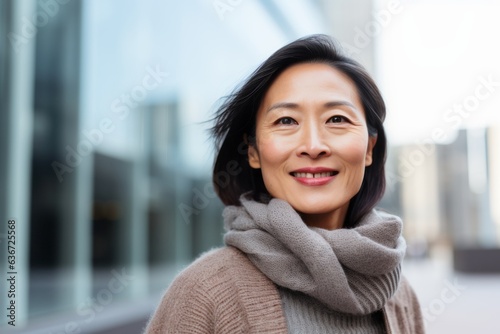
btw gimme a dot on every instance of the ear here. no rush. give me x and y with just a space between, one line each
253 157
372 140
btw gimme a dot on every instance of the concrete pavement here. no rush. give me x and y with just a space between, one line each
454 302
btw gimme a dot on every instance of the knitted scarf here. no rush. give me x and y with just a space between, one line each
351 271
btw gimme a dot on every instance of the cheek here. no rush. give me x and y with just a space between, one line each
353 154
273 158
353 150
269 152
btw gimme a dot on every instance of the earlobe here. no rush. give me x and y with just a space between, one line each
372 140
253 157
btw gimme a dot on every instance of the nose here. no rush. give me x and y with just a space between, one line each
313 142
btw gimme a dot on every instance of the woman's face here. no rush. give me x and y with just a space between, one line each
312 142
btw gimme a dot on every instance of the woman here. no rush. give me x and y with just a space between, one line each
306 252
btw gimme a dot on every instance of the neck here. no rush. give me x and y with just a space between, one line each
328 221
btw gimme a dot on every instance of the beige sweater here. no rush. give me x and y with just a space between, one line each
223 292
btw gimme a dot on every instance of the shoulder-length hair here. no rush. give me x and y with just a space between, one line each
235 124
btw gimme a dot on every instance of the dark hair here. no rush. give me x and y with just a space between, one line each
235 123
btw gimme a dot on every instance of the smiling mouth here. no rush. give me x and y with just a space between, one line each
314 175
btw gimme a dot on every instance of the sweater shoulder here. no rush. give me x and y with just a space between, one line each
213 274
214 262
220 292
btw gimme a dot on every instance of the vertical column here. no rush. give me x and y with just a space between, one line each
175 185
77 239
479 186
136 222
182 186
59 49
17 110
456 193
353 25
494 171
420 193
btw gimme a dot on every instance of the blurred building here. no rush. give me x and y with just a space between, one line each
448 191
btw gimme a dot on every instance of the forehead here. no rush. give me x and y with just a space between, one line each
312 80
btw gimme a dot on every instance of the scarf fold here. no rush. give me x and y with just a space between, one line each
352 271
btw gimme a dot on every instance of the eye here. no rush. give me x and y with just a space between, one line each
337 119
286 121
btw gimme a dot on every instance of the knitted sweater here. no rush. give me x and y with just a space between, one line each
305 314
223 292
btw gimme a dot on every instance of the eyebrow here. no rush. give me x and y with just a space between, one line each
291 105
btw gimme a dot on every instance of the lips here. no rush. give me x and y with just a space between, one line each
314 176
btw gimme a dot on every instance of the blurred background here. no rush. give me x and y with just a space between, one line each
106 158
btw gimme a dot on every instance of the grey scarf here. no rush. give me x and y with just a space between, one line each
352 271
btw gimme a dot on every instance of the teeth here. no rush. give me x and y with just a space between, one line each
313 175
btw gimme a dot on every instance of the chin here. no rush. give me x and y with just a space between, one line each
315 210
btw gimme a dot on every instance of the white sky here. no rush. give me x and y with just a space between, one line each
430 58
